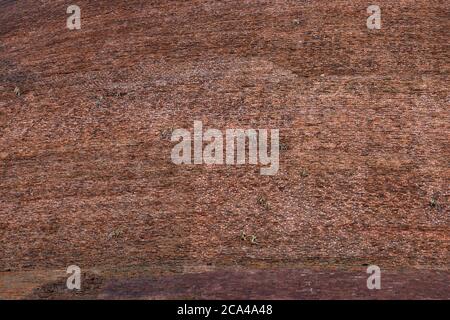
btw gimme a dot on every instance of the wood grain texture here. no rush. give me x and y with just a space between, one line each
86 176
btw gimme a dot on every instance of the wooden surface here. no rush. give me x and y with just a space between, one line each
86 176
